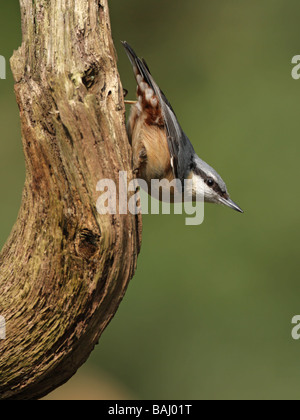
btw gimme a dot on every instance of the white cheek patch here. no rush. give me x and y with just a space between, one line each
200 187
208 192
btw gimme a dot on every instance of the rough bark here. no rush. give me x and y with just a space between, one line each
64 268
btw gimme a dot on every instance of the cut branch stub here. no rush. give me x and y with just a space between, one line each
65 268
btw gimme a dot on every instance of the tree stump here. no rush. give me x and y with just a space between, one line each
64 268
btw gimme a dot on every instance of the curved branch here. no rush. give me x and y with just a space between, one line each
64 268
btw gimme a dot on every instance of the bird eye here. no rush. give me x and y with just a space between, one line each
210 182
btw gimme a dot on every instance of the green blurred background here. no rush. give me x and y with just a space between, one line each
208 313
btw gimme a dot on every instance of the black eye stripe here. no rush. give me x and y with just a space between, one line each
205 178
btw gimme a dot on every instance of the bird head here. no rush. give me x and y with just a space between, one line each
208 183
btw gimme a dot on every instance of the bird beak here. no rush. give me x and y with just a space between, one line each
229 203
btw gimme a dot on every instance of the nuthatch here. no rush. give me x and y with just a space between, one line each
161 150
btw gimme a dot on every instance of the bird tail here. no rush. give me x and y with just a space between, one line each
140 66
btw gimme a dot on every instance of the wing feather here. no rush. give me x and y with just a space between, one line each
180 147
